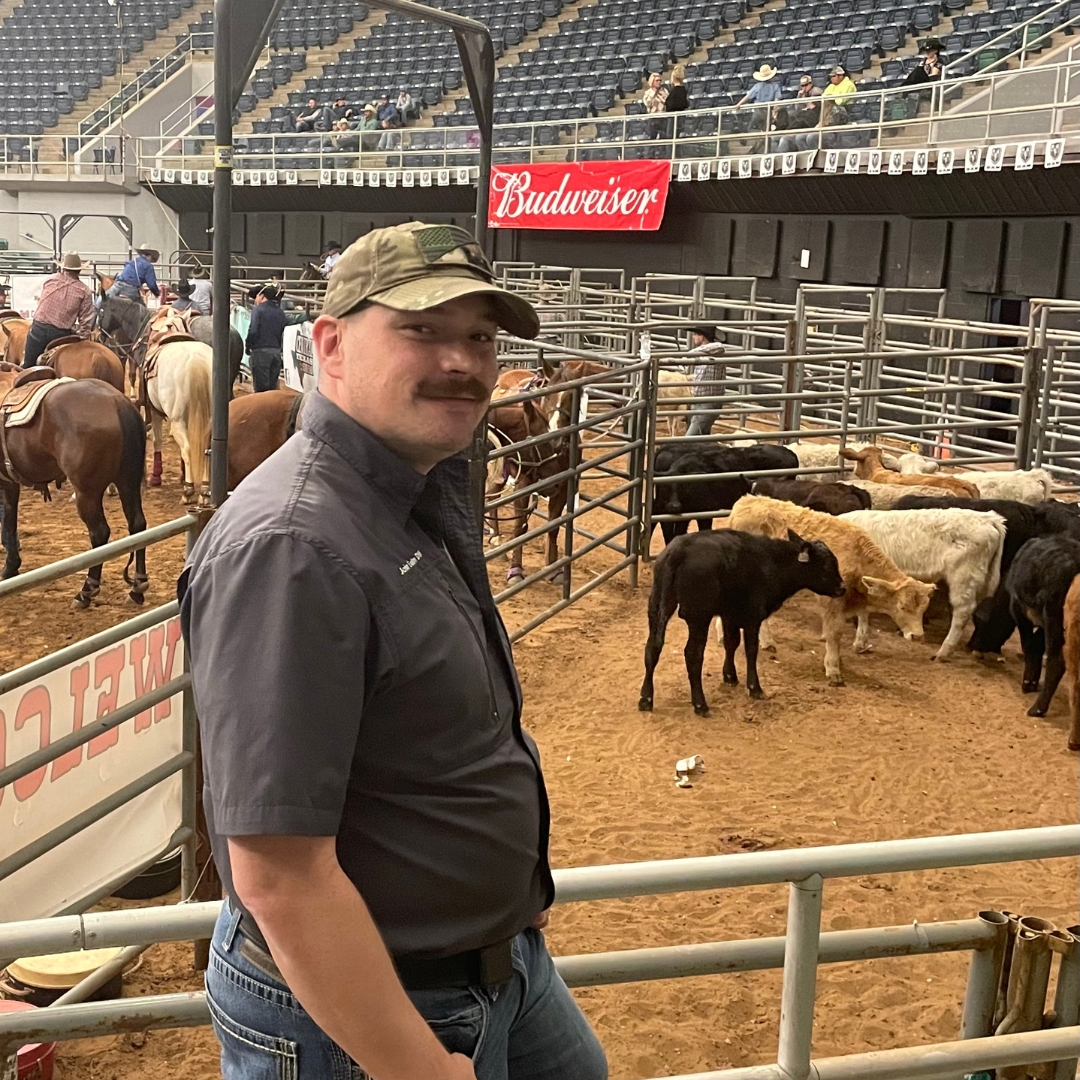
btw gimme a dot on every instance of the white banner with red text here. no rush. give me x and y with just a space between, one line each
45 710
617 195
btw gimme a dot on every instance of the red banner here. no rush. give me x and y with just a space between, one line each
579 195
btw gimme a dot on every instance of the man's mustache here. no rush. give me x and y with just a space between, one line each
467 389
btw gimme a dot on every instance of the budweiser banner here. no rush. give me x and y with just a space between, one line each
579 195
39 713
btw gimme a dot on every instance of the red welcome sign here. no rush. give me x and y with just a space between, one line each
579 195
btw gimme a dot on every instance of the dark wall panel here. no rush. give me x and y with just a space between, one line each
927 253
239 234
303 234
1070 285
710 252
1034 253
897 244
858 247
975 255
809 234
755 246
267 234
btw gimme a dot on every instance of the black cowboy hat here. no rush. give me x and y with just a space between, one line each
267 289
933 44
709 333
183 288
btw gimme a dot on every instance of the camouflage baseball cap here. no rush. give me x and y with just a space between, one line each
416 266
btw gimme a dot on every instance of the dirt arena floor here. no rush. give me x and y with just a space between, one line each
907 748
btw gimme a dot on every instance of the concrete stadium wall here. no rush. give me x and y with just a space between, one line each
974 258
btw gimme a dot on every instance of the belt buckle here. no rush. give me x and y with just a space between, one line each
496 964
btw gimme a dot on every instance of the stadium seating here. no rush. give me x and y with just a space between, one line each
54 52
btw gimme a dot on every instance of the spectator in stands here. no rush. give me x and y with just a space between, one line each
766 89
404 105
333 253
66 307
265 338
183 297
389 121
677 101
137 275
655 99
340 110
314 118
930 69
708 377
369 123
840 87
804 114
201 290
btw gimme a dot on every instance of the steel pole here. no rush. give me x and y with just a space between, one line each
222 225
984 974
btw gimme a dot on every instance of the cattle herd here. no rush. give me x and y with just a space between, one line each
1007 552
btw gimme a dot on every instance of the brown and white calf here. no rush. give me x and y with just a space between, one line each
873 581
869 466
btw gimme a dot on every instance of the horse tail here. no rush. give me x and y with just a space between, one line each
198 419
133 449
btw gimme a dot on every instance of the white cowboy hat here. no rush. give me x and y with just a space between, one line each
151 253
765 73
72 261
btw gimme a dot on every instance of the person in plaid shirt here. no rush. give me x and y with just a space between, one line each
708 377
66 307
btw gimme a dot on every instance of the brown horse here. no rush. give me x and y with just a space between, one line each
76 358
90 434
259 424
524 467
13 329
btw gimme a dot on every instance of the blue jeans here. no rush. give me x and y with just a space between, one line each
529 1028
125 291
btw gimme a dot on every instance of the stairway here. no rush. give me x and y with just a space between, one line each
162 45
318 61
509 58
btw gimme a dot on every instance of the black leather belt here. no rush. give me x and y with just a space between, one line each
489 966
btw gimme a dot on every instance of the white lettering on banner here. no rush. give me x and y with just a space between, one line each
516 199
789 165
851 162
1025 156
994 158
64 701
832 159
896 162
703 172
301 368
920 163
873 164
1055 150
973 159
945 161
723 169
767 165
746 168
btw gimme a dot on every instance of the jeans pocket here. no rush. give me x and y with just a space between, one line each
457 1017
342 1067
247 1054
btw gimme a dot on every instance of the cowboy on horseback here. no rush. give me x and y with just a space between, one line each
66 309
137 275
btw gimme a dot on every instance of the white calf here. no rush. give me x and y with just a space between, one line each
1031 486
960 547
672 384
825 455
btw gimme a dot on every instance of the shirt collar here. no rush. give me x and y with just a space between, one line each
399 483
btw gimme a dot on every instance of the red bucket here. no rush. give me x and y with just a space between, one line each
35 1060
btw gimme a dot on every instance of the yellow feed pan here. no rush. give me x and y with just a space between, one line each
60 971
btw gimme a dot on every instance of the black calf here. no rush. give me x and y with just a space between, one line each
692 496
993 619
739 577
1038 582
835 499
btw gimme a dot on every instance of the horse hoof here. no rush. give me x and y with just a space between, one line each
864 648
557 578
701 710
137 598
514 573
80 603
155 481
836 680
644 704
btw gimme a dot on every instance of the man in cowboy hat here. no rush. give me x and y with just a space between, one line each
265 338
708 377
931 66
378 815
183 296
766 89
201 290
66 307
138 274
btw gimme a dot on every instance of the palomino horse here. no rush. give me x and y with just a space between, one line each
178 390
90 434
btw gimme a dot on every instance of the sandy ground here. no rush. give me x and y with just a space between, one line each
907 748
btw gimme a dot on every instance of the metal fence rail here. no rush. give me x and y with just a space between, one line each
799 953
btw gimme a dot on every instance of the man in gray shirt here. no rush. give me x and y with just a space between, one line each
377 813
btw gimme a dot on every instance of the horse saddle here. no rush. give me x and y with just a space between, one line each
22 401
166 327
10 313
48 358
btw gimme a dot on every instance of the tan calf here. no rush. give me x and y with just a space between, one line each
1072 660
873 581
870 467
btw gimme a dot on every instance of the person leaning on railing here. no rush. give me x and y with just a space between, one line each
376 811
802 117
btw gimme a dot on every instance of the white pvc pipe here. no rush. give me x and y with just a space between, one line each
800 977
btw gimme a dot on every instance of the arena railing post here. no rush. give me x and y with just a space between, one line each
800 977
1029 404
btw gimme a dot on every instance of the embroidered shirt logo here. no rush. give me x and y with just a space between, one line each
406 566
